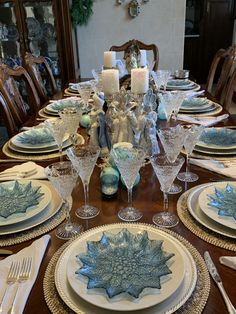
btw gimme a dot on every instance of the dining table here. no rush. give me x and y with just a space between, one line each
148 198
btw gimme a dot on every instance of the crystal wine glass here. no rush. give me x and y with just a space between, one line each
84 159
166 172
58 129
193 134
128 160
63 177
168 102
164 77
85 90
178 98
172 140
71 118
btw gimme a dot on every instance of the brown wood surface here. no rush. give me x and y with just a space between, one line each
148 198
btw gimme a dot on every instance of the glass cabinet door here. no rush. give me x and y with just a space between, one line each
9 35
41 33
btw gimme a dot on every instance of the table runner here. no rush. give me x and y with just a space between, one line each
195 303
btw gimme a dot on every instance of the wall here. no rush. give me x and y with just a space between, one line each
160 22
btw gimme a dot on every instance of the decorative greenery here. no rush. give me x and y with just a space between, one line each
81 11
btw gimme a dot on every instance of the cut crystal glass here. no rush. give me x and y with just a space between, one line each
84 159
128 161
166 172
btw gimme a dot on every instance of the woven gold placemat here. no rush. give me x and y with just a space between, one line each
34 232
195 303
199 230
38 157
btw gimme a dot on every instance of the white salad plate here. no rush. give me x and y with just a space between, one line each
31 211
173 299
212 212
195 210
50 210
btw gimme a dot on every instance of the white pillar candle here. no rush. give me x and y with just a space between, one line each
109 59
110 81
139 81
143 58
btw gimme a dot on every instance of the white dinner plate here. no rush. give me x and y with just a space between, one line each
44 150
171 304
214 151
124 302
52 208
17 142
211 106
195 103
31 211
217 110
180 84
222 139
212 212
199 215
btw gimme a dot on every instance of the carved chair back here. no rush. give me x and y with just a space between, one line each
230 91
12 90
222 62
125 47
7 116
32 64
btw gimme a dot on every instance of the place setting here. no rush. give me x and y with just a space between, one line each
29 208
48 140
182 84
176 288
208 210
200 106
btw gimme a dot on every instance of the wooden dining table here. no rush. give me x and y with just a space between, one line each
149 199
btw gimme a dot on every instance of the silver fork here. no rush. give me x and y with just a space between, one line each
23 276
11 278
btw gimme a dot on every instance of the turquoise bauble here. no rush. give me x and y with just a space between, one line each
109 178
85 121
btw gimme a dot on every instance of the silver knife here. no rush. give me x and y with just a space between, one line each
216 277
5 252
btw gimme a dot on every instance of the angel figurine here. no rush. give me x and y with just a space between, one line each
98 130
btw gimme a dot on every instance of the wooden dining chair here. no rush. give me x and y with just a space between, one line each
220 71
7 116
229 93
19 93
141 45
41 80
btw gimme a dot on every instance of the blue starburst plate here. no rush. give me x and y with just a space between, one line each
55 107
21 200
125 268
218 138
218 202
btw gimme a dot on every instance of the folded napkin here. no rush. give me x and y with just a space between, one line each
229 261
216 166
205 121
27 166
36 250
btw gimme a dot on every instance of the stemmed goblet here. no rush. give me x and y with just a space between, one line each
85 89
57 128
161 77
71 118
84 159
172 140
193 134
166 172
128 160
63 177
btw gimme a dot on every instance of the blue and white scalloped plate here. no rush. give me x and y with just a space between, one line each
218 202
218 138
37 194
173 294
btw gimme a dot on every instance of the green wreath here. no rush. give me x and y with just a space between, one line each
81 10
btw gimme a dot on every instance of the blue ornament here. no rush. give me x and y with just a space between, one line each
161 111
109 181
